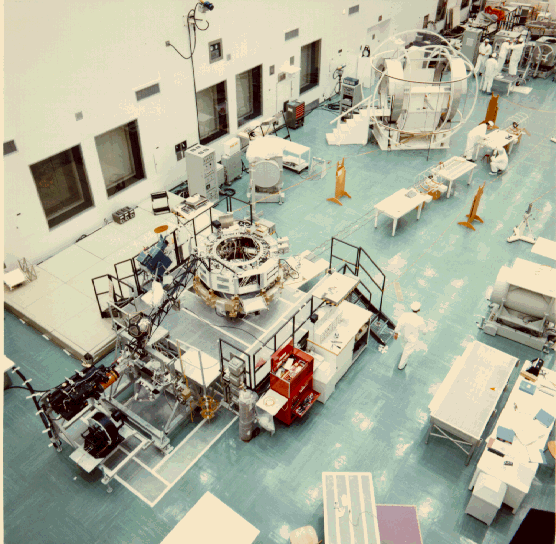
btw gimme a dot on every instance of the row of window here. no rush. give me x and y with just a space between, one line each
212 104
62 182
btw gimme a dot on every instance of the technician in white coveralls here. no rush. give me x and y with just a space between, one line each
490 71
473 138
515 57
498 161
485 49
409 325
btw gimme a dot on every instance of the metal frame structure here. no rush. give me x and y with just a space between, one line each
394 89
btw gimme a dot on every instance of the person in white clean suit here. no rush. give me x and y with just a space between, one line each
498 161
491 67
473 138
409 326
502 55
485 50
515 57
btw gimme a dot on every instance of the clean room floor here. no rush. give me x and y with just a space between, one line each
377 418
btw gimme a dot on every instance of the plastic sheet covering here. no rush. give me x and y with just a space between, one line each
304 535
265 148
266 421
484 19
247 401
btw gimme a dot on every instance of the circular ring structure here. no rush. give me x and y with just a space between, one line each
423 88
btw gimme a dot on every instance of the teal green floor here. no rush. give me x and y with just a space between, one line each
376 419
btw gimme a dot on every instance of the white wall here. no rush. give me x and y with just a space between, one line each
63 57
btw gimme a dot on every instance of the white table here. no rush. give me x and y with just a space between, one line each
518 414
271 402
335 288
545 247
467 398
398 205
211 521
192 367
454 168
509 80
339 351
297 157
496 139
14 278
350 514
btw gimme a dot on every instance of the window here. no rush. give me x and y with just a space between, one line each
310 64
62 185
441 10
119 153
212 111
249 95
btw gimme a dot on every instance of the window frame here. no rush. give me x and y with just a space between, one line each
303 88
221 101
441 11
256 101
68 212
136 157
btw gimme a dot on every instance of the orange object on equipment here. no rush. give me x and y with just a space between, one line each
112 376
498 12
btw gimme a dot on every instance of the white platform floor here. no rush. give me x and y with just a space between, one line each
61 302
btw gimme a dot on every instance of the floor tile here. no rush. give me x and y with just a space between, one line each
69 263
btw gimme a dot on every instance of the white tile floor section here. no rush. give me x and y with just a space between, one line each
62 298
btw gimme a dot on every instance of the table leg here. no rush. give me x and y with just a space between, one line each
470 176
394 226
419 210
471 452
429 433
376 219
449 189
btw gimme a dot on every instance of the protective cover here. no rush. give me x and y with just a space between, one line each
265 148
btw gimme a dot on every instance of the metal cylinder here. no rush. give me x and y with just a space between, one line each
247 416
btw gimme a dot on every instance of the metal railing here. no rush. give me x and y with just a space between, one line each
358 266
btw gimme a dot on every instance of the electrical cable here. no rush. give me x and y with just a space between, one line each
26 389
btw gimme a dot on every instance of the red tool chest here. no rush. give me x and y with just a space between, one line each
296 384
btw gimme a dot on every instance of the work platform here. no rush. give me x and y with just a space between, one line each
61 303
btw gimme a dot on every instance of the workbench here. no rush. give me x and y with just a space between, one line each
453 169
496 140
509 80
343 350
531 437
399 204
467 398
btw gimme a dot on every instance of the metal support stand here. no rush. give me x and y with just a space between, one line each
524 231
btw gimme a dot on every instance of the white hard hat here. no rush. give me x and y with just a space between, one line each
490 124
487 41
415 306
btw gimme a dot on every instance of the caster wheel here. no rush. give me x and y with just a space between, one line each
109 489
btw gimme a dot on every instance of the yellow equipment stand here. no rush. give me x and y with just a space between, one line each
472 216
340 183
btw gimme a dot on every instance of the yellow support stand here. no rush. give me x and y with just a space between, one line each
340 183
472 216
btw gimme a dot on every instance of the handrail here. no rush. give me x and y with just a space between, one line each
351 109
